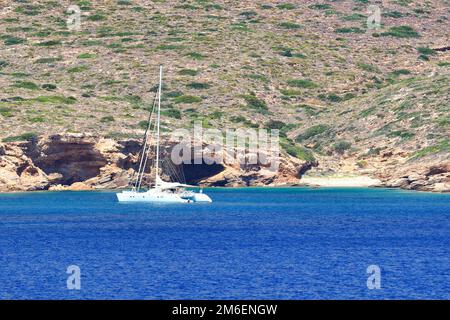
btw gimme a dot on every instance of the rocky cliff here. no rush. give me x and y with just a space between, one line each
82 162
78 162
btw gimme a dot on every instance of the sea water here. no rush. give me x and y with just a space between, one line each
255 243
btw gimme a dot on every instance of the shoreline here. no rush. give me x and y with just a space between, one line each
295 186
341 181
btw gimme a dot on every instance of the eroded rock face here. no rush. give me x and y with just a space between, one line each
18 172
74 158
81 162
428 174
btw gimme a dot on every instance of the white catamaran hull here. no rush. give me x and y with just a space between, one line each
149 196
162 196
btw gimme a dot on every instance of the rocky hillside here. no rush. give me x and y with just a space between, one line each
357 100
81 162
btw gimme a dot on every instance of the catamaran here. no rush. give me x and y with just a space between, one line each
161 191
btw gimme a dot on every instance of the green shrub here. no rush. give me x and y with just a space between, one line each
368 67
426 51
48 86
443 121
6 112
77 69
96 17
302 83
107 119
48 43
198 85
362 164
441 146
188 72
237 119
87 56
259 77
401 134
23 137
39 119
286 6
55 100
291 92
196 55
320 6
143 124
309 110
342 146
312 131
28 9
393 14
12 40
216 115
169 47
401 32
48 60
296 151
255 103
240 26
275 124
354 17
26 85
349 30
367 112
248 14
187 99
399 72
3 64
172 113
333 97
289 25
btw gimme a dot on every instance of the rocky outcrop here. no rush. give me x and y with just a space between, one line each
18 172
422 177
83 162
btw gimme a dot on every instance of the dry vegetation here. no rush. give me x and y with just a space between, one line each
311 69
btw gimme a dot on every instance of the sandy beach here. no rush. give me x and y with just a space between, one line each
336 181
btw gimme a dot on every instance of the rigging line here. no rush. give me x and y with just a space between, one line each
152 134
173 173
181 170
176 172
141 153
144 142
145 149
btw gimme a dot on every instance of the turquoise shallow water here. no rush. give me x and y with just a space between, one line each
295 243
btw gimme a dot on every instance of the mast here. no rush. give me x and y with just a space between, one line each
157 125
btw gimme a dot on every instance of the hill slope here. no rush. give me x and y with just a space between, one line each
344 94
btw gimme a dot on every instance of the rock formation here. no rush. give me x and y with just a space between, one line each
82 162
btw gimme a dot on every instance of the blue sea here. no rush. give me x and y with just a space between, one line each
255 243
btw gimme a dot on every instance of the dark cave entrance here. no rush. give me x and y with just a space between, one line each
194 173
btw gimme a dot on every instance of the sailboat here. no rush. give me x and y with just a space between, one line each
162 191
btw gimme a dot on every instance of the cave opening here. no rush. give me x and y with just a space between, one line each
194 173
